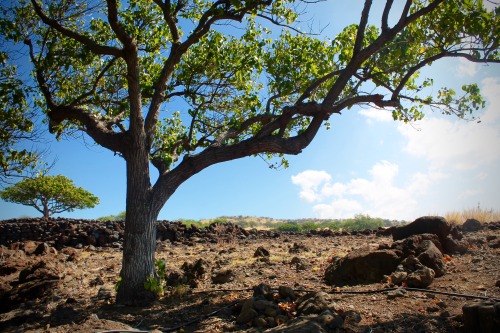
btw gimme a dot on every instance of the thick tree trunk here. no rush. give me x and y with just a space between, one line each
140 234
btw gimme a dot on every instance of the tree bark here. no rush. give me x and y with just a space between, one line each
139 244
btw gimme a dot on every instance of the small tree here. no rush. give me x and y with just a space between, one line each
49 195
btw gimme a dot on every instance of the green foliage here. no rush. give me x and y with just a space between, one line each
294 227
362 222
49 195
118 217
15 122
156 283
359 222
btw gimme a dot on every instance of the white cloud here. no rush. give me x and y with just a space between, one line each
458 144
377 196
376 114
309 181
466 68
338 208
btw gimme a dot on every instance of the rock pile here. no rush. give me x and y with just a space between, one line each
312 312
415 258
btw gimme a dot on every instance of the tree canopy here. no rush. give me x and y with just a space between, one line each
49 195
16 123
184 84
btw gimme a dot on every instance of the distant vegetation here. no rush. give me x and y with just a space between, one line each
119 217
478 213
359 222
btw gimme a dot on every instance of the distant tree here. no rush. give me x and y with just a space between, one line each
182 85
49 195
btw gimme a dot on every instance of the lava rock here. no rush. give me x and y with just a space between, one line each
471 225
361 267
423 225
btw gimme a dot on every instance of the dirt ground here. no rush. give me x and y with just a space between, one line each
72 290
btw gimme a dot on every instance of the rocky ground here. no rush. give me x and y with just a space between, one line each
228 280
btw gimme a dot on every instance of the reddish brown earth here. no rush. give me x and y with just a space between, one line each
72 290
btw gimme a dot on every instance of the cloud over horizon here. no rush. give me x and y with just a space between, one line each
462 154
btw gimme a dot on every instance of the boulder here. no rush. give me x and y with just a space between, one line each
361 267
413 244
423 225
471 225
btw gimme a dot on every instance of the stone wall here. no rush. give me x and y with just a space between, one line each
61 232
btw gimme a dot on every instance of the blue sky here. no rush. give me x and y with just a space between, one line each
366 163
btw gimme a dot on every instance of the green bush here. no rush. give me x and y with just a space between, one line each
288 227
118 217
362 222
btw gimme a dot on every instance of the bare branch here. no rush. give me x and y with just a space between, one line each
91 44
361 27
385 15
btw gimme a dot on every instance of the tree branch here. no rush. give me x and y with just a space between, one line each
385 16
358 44
91 44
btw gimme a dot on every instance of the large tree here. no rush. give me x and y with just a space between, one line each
184 84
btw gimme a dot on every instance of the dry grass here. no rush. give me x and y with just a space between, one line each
478 213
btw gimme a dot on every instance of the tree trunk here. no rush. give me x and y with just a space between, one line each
46 211
140 234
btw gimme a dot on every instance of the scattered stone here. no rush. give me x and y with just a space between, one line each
263 291
223 276
298 248
247 313
191 275
261 252
300 264
393 294
287 293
